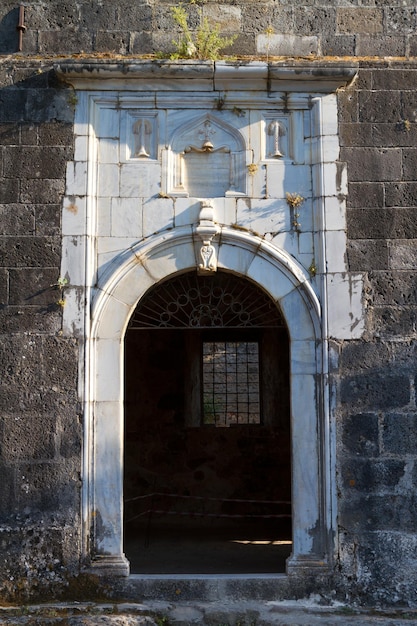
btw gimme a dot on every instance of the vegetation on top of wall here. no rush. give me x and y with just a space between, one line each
206 43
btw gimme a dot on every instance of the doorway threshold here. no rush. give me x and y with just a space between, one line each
205 576
203 587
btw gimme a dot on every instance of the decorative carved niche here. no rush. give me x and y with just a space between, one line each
283 137
207 158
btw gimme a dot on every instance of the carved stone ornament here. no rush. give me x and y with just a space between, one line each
207 158
139 131
205 134
207 229
142 129
276 131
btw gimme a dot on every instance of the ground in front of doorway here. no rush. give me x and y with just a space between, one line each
291 613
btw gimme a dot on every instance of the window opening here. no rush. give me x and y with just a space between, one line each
231 383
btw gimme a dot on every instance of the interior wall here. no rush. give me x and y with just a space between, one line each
163 454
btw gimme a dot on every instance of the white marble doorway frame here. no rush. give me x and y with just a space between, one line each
287 284
101 304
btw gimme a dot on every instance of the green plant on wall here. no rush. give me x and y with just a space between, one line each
205 43
60 284
404 125
312 269
294 201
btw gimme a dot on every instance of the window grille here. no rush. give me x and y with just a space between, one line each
219 301
231 383
228 358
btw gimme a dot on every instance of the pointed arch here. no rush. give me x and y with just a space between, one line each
185 134
206 143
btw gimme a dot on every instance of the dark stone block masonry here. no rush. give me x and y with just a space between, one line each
372 379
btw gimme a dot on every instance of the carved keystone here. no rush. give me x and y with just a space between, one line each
207 229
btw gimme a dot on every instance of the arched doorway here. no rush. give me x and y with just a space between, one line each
279 276
207 464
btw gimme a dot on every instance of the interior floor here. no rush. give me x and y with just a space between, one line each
183 549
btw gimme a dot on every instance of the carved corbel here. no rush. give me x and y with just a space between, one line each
207 229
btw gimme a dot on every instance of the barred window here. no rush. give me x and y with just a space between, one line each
230 383
231 343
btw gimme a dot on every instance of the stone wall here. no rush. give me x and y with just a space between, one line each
40 428
374 378
377 456
267 27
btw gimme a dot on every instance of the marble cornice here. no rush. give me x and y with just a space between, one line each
319 76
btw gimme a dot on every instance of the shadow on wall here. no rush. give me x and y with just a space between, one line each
39 98
9 35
